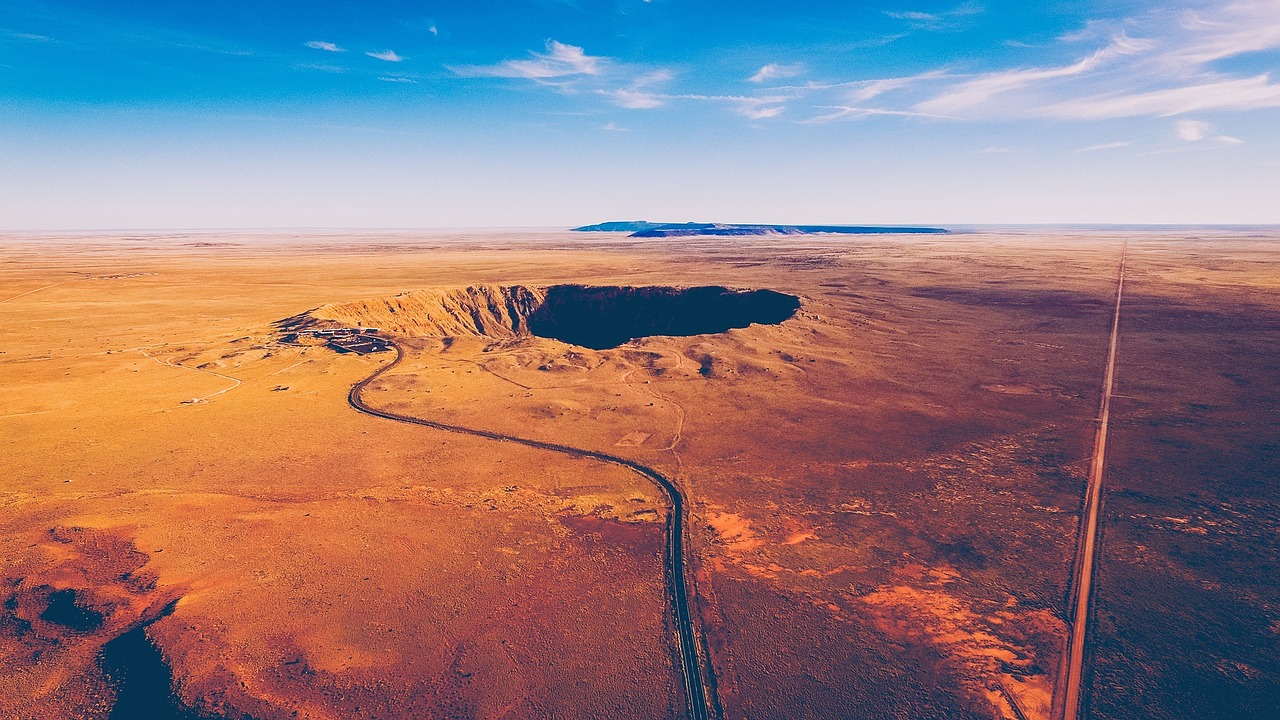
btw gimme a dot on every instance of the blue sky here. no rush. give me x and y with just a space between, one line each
385 113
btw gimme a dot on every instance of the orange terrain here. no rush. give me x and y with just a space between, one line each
883 481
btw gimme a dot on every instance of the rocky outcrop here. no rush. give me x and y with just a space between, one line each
492 310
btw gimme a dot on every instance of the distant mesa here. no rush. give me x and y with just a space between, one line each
620 226
599 318
645 229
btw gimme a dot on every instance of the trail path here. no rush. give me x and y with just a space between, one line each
1088 537
202 398
689 641
29 292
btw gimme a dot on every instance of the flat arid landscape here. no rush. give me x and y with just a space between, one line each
535 474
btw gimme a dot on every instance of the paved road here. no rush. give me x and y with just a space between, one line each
1088 538
702 705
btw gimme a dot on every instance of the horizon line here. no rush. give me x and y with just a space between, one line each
570 228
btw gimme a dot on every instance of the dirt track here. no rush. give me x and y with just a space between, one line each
1088 537
701 703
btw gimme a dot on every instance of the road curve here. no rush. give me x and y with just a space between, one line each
1089 535
701 704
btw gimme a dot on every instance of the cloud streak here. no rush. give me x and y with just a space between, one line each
984 88
1152 66
1197 130
386 56
1105 146
945 20
326 46
559 61
776 71
1243 94
1160 64
844 112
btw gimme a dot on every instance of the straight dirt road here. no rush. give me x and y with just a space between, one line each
1089 535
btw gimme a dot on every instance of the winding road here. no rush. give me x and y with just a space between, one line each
701 703
1089 535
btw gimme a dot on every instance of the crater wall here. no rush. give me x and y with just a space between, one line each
589 316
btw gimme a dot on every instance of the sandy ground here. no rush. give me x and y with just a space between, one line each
884 488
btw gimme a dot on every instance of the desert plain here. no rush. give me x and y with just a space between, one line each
884 488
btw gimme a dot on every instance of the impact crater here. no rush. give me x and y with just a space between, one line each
596 317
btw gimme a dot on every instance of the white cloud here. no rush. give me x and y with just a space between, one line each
1155 65
943 20
322 67
1191 130
842 112
755 107
559 61
397 79
386 55
656 77
868 89
1158 64
434 30
982 89
1241 27
776 71
1238 94
635 99
326 46
1105 146
611 127
761 112
1197 130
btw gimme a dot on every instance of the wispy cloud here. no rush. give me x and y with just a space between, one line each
434 30
1191 130
386 55
1197 130
611 127
559 61
843 112
1240 94
635 99
754 107
761 108
1156 65
326 46
1239 28
951 19
1104 146
321 67
397 79
982 89
776 71
865 90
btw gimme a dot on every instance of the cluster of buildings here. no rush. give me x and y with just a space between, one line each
359 340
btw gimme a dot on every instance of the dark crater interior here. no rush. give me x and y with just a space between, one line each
606 317
64 609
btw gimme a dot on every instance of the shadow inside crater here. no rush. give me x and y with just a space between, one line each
606 317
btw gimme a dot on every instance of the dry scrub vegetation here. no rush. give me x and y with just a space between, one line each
884 486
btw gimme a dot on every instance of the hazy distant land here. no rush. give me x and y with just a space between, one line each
644 228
